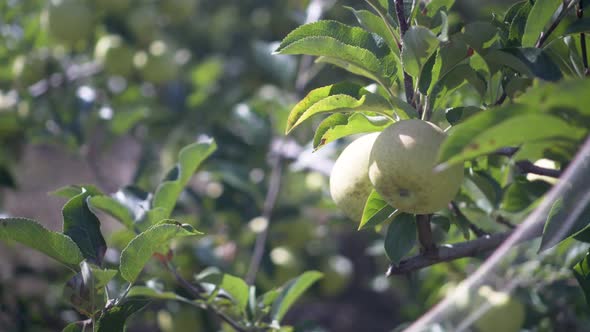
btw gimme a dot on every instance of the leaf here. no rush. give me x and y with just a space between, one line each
483 191
190 158
235 287
32 234
123 121
481 36
348 44
533 62
567 94
75 190
456 115
578 26
518 23
112 207
82 226
144 291
341 97
582 273
568 217
339 125
451 81
291 291
400 237
419 44
521 193
510 125
376 211
155 239
115 317
80 326
375 24
538 19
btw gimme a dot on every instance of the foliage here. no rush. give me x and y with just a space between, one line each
509 90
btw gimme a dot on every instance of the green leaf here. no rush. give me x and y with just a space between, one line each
341 97
400 237
568 217
144 291
190 158
419 44
336 40
510 125
567 94
582 273
75 190
112 207
291 291
32 234
155 239
115 317
83 227
339 125
235 287
522 193
533 62
481 36
538 19
451 81
81 326
578 26
376 211
123 121
462 223
375 24
518 23
456 115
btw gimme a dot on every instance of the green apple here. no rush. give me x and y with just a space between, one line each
114 55
179 10
143 23
402 165
349 181
29 69
157 65
505 313
69 21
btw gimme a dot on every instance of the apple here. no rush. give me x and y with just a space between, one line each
114 55
505 313
401 168
179 10
157 65
69 21
349 180
29 69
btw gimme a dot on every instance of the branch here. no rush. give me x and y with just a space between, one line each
195 291
474 228
544 35
274 186
449 252
425 234
403 26
526 166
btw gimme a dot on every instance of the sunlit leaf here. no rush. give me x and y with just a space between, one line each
538 19
339 125
376 211
419 44
291 291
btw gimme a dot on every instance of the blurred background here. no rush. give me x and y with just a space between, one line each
106 92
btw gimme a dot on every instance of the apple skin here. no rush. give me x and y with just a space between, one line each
29 69
349 180
505 314
69 21
115 56
179 10
402 165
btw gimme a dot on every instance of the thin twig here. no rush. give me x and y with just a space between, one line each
196 291
544 35
580 14
449 252
274 186
403 26
526 166
474 228
503 221
425 234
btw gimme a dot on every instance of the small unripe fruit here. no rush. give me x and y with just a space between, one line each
349 181
402 165
115 56
69 21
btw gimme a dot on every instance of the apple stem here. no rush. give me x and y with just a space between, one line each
425 235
